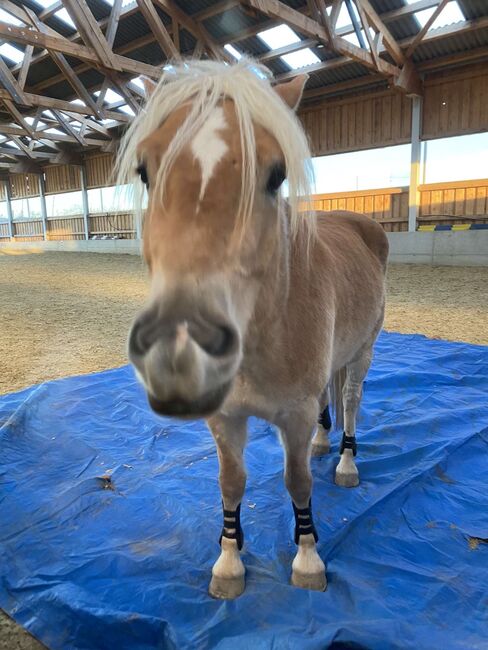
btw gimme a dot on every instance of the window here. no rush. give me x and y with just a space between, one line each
64 205
29 208
457 159
110 199
363 170
3 211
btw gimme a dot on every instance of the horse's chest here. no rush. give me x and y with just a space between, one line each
250 397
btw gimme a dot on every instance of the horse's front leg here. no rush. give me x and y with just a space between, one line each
228 572
308 570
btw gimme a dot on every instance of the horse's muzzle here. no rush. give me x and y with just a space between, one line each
202 407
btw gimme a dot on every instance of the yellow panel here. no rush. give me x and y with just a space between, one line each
426 228
461 226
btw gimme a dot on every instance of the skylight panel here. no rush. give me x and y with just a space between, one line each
48 113
300 59
124 2
232 50
450 14
279 36
79 102
45 4
5 17
63 15
137 81
13 144
54 132
344 19
127 110
352 38
111 97
11 53
30 121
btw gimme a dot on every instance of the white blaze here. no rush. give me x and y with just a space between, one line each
208 147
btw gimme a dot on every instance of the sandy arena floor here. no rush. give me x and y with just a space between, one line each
66 313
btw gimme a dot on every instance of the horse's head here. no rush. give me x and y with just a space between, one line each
213 147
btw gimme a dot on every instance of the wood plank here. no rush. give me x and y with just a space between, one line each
157 27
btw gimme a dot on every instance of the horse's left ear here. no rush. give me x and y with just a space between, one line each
291 91
149 86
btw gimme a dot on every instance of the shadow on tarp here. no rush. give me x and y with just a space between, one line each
110 516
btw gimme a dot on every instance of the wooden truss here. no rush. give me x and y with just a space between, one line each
46 129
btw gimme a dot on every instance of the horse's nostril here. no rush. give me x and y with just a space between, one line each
217 341
222 343
141 337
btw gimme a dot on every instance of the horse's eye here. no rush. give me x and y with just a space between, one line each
276 177
142 171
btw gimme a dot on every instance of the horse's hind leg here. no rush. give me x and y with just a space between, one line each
346 472
228 572
320 441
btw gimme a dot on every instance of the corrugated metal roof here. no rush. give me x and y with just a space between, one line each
451 45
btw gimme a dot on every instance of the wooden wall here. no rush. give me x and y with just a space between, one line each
358 122
62 178
388 206
23 185
456 202
100 170
456 102
440 203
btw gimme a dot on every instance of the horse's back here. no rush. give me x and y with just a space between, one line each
343 230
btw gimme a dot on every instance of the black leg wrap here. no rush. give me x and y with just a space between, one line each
349 442
324 418
304 522
232 520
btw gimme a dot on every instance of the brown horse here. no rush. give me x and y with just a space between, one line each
254 308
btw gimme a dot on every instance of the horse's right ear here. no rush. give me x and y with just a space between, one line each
149 86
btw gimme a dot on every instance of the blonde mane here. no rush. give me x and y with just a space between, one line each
202 84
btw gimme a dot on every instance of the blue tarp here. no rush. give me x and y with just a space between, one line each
86 563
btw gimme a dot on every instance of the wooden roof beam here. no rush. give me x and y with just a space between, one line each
195 28
378 25
158 28
90 32
63 45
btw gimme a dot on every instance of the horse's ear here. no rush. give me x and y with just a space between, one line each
291 91
149 86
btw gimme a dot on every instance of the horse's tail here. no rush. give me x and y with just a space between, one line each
336 387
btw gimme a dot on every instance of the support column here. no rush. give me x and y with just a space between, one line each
84 197
414 194
9 210
42 196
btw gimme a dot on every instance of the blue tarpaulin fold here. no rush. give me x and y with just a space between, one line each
110 517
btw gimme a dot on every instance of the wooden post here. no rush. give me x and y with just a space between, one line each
9 210
84 197
414 194
42 196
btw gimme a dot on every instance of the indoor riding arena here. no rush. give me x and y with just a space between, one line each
110 512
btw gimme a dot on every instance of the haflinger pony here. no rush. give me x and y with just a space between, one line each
255 308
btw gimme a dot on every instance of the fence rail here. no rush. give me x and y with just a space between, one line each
452 203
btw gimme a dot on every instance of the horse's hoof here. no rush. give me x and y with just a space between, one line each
347 479
227 588
320 449
313 581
